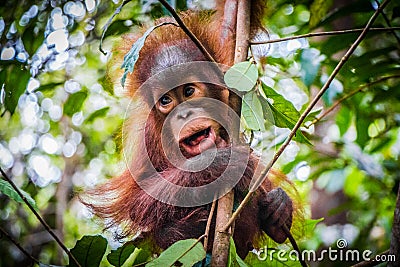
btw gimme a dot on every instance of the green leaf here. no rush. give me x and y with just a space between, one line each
117 27
232 253
379 144
343 119
98 113
252 111
133 55
89 251
32 40
309 226
119 256
233 259
271 257
285 115
181 5
354 181
143 253
186 252
74 103
362 123
48 87
280 62
253 261
15 78
283 121
240 262
283 106
142 257
8 190
242 76
107 84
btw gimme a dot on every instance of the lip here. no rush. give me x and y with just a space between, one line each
199 142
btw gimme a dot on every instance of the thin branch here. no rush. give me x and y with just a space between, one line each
208 226
389 24
187 31
3 232
315 34
373 262
41 220
344 59
347 96
105 28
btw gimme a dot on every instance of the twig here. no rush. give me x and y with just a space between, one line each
372 262
389 24
3 232
105 28
208 226
304 115
339 101
42 221
315 34
187 31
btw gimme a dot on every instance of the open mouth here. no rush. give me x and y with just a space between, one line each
196 138
199 141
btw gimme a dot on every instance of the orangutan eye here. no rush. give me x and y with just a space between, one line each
188 91
165 100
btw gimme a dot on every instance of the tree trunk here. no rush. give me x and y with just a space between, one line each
395 241
225 204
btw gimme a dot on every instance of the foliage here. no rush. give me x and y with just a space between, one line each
88 251
59 130
119 256
182 253
242 76
8 190
133 55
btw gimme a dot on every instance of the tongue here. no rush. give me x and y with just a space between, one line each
198 139
200 143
